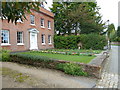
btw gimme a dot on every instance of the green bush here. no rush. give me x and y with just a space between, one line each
66 42
72 69
116 39
93 41
5 55
89 41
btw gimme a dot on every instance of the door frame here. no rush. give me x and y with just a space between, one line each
33 31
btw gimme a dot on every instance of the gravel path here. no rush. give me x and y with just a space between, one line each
47 78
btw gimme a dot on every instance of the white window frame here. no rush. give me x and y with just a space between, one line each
42 19
22 38
49 38
49 24
31 20
5 44
43 43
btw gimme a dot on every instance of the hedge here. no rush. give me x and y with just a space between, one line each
31 59
89 41
66 42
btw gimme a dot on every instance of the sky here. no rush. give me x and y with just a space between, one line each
109 10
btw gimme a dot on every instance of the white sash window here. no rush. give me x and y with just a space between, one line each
4 36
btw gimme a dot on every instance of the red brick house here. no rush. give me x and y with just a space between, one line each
34 33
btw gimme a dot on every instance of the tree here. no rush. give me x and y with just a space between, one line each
17 10
88 18
111 31
82 17
118 31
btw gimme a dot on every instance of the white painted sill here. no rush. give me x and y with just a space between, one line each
5 44
42 27
49 28
43 43
32 24
20 44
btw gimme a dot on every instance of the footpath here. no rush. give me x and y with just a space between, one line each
110 75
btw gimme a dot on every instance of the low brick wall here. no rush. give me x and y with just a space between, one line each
93 69
98 63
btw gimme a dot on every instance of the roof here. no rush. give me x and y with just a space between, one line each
45 12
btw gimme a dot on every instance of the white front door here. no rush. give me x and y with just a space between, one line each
33 41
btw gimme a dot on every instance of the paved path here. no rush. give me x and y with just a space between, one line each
52 78
110 72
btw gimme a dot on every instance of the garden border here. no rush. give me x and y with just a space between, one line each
93 69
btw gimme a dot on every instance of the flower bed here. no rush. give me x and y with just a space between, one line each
71 52
76 50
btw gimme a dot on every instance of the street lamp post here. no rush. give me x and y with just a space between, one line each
109 47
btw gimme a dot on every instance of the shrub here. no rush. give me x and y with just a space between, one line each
5 55
34 60
66 42
93 41
89 41
29 57
72 69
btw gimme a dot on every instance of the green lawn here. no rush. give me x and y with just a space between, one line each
82 59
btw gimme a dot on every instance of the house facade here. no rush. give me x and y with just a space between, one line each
34 33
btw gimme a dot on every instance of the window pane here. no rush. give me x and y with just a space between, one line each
5 36
19 37
32 18
42 22
49 38
43 38
49 24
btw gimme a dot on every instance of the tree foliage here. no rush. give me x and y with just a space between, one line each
82 17
111 32
118 31
17 10
88 41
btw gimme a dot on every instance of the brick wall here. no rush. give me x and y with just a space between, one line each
43 13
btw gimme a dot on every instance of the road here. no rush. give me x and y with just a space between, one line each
114 60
